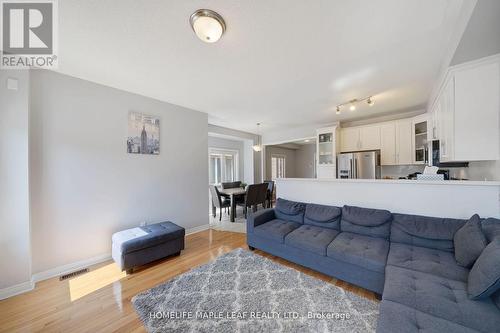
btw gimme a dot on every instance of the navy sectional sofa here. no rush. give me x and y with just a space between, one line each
408 259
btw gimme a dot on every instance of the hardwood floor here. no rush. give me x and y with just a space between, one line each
99 301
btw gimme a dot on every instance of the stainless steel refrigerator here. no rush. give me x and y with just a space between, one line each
360 165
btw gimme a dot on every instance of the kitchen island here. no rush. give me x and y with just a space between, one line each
448 198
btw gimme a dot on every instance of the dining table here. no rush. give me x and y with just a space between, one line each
232 193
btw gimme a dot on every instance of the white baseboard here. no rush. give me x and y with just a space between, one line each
197 229
68 268
16 289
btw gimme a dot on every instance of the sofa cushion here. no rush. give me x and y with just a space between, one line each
311 238
410 320
484 277
443 298
469 242
365 251
422 259
323 216
366 221
496 298
431 232
290 211
276 229
491 228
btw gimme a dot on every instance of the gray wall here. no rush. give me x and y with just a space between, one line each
481 37
86 187
221 143
304 161
15 260
289 160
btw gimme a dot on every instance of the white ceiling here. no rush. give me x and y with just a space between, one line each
284 63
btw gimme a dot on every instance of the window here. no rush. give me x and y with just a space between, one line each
222 166
277 166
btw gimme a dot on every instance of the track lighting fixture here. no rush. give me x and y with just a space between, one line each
352 103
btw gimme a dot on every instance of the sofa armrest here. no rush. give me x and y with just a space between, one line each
258 218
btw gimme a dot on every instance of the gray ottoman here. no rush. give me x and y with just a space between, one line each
138 246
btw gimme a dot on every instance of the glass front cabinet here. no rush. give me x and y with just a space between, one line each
326 152
421 138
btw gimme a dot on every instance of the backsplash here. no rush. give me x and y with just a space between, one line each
484 170
396 171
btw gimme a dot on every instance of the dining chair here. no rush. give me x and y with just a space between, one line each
235 184
255 194
218 201
270 190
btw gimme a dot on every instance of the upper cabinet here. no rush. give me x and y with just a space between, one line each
326 151
349 139
369 137
388 143
396 143
420 139
465 114
360 138
404 143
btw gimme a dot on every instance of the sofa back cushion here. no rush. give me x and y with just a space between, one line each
323 216
496 298
290 211
491 228
469 242
366 221
430 232
484 277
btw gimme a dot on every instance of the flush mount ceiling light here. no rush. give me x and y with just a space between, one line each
352 103
207 25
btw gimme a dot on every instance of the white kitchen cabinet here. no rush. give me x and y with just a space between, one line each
476 113
349 139
465 114
434 116
404 142
360 138
388 143
369 137
326 152
446 121
396 142
420 144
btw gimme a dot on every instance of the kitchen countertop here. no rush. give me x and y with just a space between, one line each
400 181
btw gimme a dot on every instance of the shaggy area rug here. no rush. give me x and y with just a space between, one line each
243 292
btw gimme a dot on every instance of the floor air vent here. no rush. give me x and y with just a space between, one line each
73 274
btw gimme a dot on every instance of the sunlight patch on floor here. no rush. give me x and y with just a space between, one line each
85 284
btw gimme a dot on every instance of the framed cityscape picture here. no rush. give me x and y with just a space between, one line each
143 134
